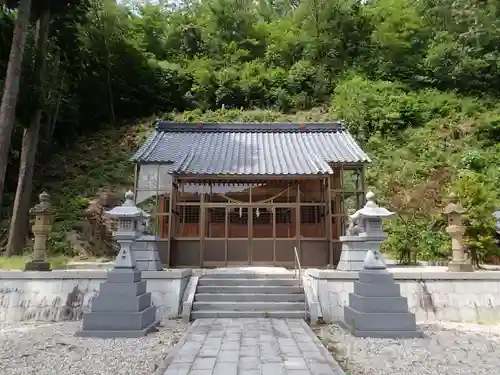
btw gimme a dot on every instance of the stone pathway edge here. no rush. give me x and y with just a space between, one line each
324 351
173 353
175 350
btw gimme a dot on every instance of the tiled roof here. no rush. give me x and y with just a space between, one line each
250 149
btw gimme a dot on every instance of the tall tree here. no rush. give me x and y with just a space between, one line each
11 87
19 222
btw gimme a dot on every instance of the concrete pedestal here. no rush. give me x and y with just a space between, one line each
37 265
353 253
377 309
460 266
122 309
147 257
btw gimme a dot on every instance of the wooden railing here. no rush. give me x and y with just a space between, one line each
297 266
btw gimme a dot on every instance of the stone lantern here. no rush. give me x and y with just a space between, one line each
376 307
456 230
128 229
41 230
361 245
123 307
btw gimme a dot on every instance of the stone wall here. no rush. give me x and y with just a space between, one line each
65 295
432 295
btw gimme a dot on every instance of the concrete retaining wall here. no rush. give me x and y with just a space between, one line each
432 295
65 295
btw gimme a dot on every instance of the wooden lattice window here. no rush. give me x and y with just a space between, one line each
283 215
217 215
311 214
239 216
263 217
189 214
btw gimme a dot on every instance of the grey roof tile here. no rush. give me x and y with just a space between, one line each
250 149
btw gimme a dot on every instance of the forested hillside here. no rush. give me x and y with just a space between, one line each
417 82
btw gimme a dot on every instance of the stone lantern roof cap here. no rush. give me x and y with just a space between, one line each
372 210
128 209
453 206
44 207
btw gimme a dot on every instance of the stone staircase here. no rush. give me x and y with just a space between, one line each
248 295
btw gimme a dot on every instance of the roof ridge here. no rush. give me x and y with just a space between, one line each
249 127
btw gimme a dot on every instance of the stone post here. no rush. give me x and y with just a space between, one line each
364 237
454 211
41 230
123 308
376 307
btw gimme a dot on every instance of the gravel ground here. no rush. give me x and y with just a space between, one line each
43 349
447 349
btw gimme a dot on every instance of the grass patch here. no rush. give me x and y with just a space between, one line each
16 263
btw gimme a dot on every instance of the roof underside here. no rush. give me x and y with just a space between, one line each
250 149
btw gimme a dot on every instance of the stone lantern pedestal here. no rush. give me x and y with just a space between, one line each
123 308
376 308
454 212
41 230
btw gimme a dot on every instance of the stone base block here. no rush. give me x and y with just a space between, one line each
119 321
376 290
110 303
123 290
124 275
376 276
109 334
37 265
460 267
378 304
366 321
384 334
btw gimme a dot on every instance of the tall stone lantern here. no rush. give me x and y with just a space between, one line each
454 211
41 230
129 228
361 245
376 308
123 307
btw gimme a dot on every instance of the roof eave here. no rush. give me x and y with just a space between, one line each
193 176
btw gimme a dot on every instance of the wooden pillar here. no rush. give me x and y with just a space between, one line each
202 227
136 184
227 216
250 226
337 185
329 219
297 220
273 216
171 227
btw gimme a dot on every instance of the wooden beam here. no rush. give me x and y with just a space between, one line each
297 221
274 235
170 222
136 176
329 232
226 233
202 228
250 225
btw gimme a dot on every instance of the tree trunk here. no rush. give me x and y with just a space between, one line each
11 87
20 215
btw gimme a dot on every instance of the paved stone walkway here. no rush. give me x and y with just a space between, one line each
251 347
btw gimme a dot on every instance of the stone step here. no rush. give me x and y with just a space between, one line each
363 321
249 297
210 281
236 275
247 306
378 304
290 314
376 290
244 289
